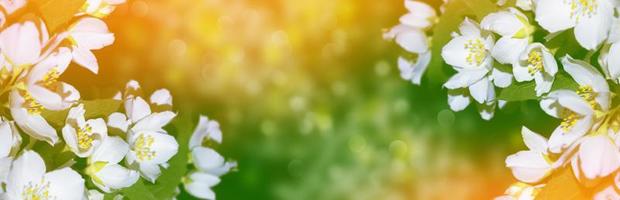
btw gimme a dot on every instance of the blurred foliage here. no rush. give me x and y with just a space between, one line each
310 100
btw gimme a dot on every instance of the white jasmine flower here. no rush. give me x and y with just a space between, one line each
150 150
469 54
104 168
592 85
83 136
89 34
209 164
538 64
28 180
27 114
420 15
576 114
411 36
590 18
205 130
578 110
21 44
151 146
515 31
43 85
533 165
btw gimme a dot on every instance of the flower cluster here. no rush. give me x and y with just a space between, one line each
109 151
209 165
505 51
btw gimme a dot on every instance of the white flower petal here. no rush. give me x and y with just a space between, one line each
592 30
507 50
503 23
33 125
206 159
206 129
585 74
501 78
86 59
598 157
554 15
116 176
154 121
111 150
27 168
465 78
534 141
91 33
119 121
136 109
458 99
480 89
65 184
161 97
200 185
528 166
21 43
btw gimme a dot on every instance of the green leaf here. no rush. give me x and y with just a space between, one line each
94 109
564 81
563 186
54 156
138 191
57 13
564 44
455 12
527 90
519 92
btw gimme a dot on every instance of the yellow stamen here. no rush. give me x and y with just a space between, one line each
535 62
30 104
569 119
142 147
587 93
583 8
38 191
51 78
85 138
477 52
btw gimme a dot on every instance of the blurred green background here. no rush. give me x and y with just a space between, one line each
310 99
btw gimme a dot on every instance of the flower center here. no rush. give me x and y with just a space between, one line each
535 63
37 191
587 93
85 138
30 104
583 8
569 120
142 147
51 78
477 52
